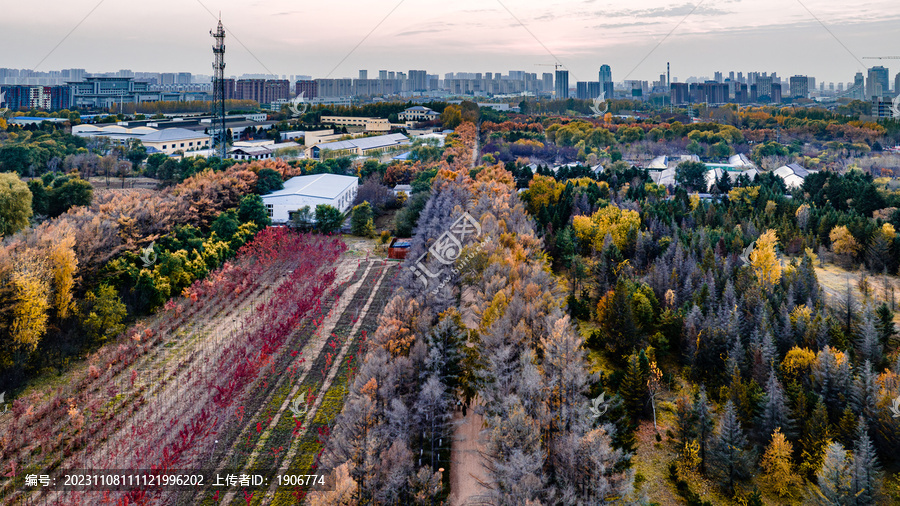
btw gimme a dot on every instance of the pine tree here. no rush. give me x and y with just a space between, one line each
831 377
863 396
886 328
730 455
776 413
868 338
685 419
846 428
633 388
815 439
833 476
865 481
778 467
703 415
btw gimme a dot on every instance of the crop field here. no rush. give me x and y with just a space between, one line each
246 371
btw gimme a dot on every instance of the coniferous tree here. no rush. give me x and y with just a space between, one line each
868 339
703 415
778 466
831 378
864 394
730 455
815 439
776 414
865 481
833 476
514 454
633 388
885 323
685 419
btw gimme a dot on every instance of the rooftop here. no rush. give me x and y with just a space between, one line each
319 185
169 134
366 142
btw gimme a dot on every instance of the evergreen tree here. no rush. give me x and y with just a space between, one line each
703 414
361 223
834 476
865 391
868 338
730 455
815 439
776 413
865 481
633 388
685 419
885 323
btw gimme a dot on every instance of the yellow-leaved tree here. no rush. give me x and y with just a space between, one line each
63 264
542 192
621 225
33 293
777 465
843 242
764 261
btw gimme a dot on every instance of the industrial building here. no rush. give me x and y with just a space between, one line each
168 140
301 191
364 146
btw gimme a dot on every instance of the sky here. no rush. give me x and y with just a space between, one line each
329 38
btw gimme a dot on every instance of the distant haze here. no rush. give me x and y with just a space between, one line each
292 38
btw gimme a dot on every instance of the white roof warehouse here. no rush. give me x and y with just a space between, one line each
363 146
301 191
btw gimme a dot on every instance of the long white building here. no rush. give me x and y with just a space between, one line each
301 191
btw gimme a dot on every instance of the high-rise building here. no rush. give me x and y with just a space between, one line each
250 89
594 89
717 77
741 96
418 80
897 83
679 93
183 78
763 88
877 83
275 90
776 93
605 74
547 82
799 87
363 74
49 98
382 74
581 90
562 84
167 78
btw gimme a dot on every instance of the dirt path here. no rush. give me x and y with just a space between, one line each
467 472
651 460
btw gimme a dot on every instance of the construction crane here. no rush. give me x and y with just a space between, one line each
555 65
881 57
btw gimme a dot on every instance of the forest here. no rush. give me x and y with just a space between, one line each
623 341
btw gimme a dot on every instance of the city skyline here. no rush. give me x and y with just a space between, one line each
467 37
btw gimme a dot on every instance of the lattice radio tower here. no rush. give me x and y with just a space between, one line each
217 128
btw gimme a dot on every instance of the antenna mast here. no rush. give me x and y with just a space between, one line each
217 129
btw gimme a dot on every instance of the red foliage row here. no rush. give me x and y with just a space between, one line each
297 299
